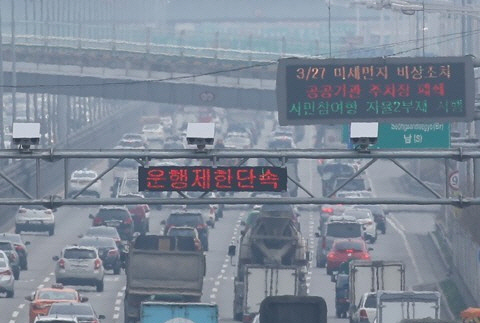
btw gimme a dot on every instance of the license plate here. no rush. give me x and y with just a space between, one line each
35 222
112 224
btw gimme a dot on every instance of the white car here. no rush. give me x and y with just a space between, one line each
153 132
7 281
55 318
34 218
79 266
81 178
366 310
366 219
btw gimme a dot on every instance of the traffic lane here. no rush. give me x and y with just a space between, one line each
70 222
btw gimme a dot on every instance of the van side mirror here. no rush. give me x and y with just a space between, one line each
27 243
90 216
163 222
83 299
55 258
370 249
242 223
232 250
101 317
307 255
29 298
317 234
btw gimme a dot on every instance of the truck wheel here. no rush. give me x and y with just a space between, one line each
51 231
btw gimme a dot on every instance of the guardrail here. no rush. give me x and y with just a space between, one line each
148 48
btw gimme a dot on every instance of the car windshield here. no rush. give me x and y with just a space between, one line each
173 145
71 309
57 295
112 214
79 254
102 231
150 127
33 207
131 143
185 219
280 144
84 175
339 169
348 245
5 245
344 230
371 301
15 238
181 232
96 242
356 184
358 214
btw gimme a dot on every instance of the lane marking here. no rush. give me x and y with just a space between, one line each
40 286
214 290
119 294
116 316
21 306
217 283
15 314
118 302
117 309
409 250
46 279
213 296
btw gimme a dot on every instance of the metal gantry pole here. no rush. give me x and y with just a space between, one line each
14 67
2 110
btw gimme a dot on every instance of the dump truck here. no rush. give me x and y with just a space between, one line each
369 276
273 254
395 306
166 312
162 268
293 309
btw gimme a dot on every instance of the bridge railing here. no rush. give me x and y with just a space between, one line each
139 47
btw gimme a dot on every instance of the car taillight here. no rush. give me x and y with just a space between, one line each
127 221
112 252
369 222
331 255
363 314
97 221
6 272
61 263
98 263
324 243
327 210
19 248
365 256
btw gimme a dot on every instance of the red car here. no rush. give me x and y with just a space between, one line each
344 250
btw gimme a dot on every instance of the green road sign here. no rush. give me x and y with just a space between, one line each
410 135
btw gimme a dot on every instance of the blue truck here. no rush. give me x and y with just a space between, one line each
165 312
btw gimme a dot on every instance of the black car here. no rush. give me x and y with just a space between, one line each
107 251
20 247
190 219
9 249
115 216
